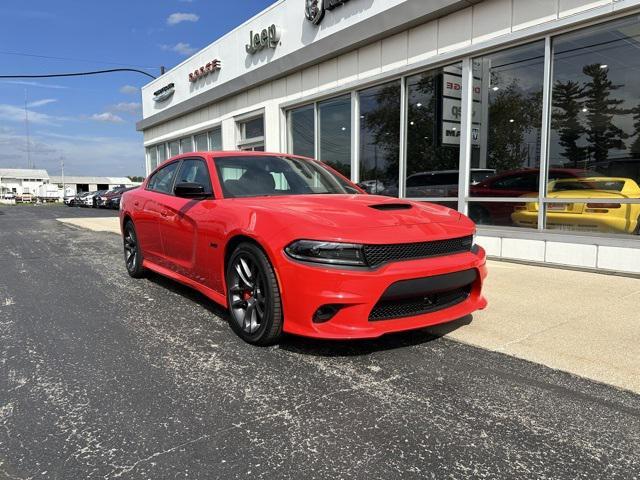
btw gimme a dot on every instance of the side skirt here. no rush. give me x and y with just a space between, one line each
206 291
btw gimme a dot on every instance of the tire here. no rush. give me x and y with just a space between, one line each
253 295
132 253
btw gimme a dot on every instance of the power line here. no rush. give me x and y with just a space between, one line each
79 74
33 55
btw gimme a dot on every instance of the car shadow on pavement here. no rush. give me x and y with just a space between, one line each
188 293
351 348
318 347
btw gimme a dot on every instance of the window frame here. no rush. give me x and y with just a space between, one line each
173 181
182 161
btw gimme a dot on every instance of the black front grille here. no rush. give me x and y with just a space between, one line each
376 255
390 309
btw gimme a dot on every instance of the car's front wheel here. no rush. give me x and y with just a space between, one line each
253 296
132 252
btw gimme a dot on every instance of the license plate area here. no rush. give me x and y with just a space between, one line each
557 207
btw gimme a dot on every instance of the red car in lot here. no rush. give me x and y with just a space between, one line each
288 244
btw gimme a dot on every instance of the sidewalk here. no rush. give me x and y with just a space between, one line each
584 323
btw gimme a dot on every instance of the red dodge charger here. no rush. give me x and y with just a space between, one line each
290 245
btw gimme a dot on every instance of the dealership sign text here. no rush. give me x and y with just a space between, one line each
267 38
205 70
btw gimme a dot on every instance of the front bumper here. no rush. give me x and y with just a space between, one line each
305 288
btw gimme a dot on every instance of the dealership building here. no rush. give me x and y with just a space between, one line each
523 114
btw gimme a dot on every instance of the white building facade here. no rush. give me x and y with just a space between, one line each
22 181
518 113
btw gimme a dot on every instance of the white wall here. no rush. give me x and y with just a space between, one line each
625 259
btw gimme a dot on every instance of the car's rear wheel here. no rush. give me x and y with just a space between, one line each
253 296
132 252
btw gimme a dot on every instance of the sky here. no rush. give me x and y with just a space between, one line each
89 122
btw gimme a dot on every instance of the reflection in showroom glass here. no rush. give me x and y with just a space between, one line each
380 138
506 131
334 130
434 111
301 128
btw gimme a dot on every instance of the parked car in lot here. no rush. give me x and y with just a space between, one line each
289 245
113 201
597 213
78 200
103 199
70 200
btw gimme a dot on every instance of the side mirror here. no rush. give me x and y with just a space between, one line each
189 190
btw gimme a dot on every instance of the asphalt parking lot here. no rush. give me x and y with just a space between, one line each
103 376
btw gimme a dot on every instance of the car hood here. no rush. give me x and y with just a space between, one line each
355 211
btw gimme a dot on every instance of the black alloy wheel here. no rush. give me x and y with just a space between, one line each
132 253
253 296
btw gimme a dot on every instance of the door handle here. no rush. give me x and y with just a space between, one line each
164 213
136 203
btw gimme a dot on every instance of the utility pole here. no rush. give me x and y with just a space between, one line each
26 122
64 190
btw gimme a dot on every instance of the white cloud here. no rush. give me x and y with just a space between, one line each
83 154
182 48
128 107
129 90
35 84
12 113
106 117
41 103
176 18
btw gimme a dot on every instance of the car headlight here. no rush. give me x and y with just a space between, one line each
334 253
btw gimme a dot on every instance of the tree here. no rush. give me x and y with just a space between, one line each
567 102
635 146
512 113
602 134
381 154
135 178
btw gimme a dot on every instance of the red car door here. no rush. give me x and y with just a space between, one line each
185 227
148 212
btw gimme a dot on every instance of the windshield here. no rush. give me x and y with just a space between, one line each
253 176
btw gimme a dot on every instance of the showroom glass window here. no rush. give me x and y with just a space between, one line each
334 133
380 138
301 131
506 132
215 139
186 145
162 153
174 148
152 152
202 142
251 134
595 127
434 111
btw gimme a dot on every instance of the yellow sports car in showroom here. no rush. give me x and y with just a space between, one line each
599 212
